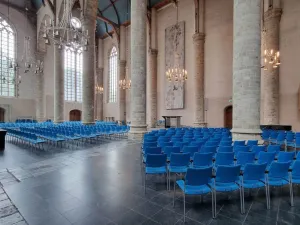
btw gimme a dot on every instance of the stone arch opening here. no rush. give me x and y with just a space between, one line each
228 117
2 115
75 115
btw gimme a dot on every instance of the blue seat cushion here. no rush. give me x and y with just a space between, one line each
225 187
177 169
278 181
156 170
193 190
249 184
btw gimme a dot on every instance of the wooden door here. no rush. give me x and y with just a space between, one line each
228 117
2 112
75 115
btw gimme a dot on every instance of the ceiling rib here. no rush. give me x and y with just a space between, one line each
113 4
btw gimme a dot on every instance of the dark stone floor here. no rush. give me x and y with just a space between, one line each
102 184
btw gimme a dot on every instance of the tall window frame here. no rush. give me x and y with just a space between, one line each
7 59
73 74
112 75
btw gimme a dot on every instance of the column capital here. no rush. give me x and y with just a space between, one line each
122 63
152 51
273 13
198 37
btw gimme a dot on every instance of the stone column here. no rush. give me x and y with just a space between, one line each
99 98
40 95
246 69
59 81
89 66
198 40
152 88
271 75
138 68
122 92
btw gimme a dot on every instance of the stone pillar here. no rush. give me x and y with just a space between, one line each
271 75
40 95
198 40
122 92
138 68
89 63
152 88
246 69
99 98
59 81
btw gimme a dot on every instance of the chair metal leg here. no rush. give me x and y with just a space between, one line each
269 198
183 207
174 192
212 204
215 205
291 194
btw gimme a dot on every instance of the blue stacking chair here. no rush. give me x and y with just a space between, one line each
289 140
203 160
176 139
208 149
274 148
243 158
199 144
273 136
190 149
227 179
150 139
163 139
180 144
298 157
297 142
237 149
225 149
296 172
212 143
151 150
266 157
257 149
280 140
279 176
170 149
179 163
164 144
250 143
239 143
197 182
253 177
149 144
156 164
285 156
225 143
224 159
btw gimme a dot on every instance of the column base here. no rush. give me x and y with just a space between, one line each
245 134
200 124
137 132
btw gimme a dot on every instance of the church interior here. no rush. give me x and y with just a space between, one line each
149 112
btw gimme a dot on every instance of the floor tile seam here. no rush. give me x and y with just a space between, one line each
248 212
298 214
152 217
147 217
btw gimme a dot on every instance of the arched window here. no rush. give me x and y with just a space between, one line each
113 71
7 59
73 74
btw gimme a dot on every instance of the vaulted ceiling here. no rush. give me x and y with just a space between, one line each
116 11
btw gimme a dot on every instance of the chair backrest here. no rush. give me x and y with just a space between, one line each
203 159
180 144
258 148
245 157
225 149
298 157
226 143
297 140
190 149
152 150
170 149
180 159
228 174
285 156
156 160
164 144
224 158
273 148
199 144
198 176
252 142
238 149
208 149
150 144
296 169
254 171
239 143
266 157
279 169
212 143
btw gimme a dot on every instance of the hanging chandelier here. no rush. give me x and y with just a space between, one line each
99 89
176 74
125 84
68 32
271 58
39 67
